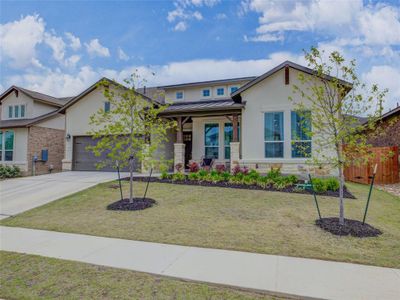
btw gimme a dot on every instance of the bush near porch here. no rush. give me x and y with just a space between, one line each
236 219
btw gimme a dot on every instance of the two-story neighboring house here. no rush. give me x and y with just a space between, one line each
32 132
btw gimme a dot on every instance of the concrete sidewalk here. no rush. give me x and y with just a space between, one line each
277 274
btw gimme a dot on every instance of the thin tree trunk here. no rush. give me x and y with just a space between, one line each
341 201
131 180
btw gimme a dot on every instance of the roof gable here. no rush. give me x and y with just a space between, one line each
237 97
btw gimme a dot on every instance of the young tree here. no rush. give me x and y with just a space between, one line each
334 97
130 130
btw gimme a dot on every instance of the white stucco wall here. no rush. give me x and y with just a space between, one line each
20 148
196 93
57 122
22 99
269 95
33 108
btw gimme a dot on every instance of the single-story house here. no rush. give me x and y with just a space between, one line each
32 131
245 121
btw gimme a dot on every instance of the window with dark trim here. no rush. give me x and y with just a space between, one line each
301 134
107 106
211 140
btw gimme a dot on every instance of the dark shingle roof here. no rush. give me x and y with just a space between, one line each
58 102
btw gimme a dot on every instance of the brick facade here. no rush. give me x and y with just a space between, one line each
387 132
45 138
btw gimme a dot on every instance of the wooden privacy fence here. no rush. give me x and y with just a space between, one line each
387 159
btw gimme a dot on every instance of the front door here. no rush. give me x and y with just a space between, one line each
187 140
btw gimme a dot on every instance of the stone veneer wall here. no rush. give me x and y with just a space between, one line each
45 138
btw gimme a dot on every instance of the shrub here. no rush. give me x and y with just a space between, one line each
193 176
220 168
179 168
281 182
225 176
274 173
164 175
292 179
193 167
254 174
236 170
245 170
9 171
202 174
248 180
178 176
319 185
332 184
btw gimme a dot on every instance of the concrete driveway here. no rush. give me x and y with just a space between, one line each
21 194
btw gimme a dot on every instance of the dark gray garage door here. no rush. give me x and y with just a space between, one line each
84 160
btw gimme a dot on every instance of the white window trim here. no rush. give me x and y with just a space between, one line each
183 95
19 111
216 92
283 141
3 147
207 88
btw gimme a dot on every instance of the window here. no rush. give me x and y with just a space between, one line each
234 89
22 111
179 95
16 111
206 93
211 140
228 137
273 134
220 91
106 106
10 112
6 145
301 134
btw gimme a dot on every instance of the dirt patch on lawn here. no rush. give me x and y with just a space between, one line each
351 227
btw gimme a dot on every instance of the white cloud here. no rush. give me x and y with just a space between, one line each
180 26
75 42
122 55
72 61
368 24
94 48
183 12
386 77
18 41
57 44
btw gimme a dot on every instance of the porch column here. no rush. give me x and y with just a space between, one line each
235 144
179 146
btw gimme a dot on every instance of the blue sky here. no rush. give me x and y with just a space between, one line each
60 48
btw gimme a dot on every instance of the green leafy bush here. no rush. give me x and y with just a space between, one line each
178 176
9 171
332 184
193 176
292 179
254 175
319 185
164 175
225 176
202 174
274 173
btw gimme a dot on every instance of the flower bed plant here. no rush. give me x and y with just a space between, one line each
250 179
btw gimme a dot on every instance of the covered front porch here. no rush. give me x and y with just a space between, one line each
207 129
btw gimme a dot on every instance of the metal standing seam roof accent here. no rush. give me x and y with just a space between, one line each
209 105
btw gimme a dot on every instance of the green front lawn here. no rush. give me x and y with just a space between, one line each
245 220
34 277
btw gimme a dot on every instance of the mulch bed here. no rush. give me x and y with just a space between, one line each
351 227
225 184
137 204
